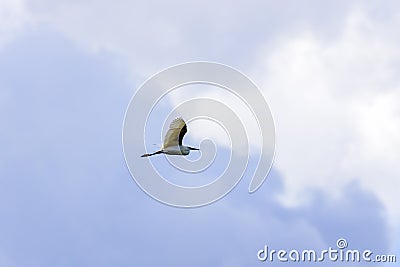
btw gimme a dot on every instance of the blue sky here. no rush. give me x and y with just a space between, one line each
67 73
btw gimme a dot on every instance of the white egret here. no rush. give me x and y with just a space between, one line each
173 140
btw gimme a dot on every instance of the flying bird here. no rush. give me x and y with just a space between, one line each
173 140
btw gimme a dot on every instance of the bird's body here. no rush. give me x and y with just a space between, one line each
173 140
176 150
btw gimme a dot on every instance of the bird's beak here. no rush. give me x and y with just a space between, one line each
192 148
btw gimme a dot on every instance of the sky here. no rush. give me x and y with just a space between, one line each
68 69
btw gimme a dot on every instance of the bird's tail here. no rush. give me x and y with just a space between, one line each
151 154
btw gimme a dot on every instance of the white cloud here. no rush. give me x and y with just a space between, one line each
335 104
227 99
336 109
127 30
333 96
148 36
13 18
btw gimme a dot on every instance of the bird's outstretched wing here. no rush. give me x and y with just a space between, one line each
174 136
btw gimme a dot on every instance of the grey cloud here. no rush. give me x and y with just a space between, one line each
66 197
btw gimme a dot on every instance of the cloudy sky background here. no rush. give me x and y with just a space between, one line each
69 68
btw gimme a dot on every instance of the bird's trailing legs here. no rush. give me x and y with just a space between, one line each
151 154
